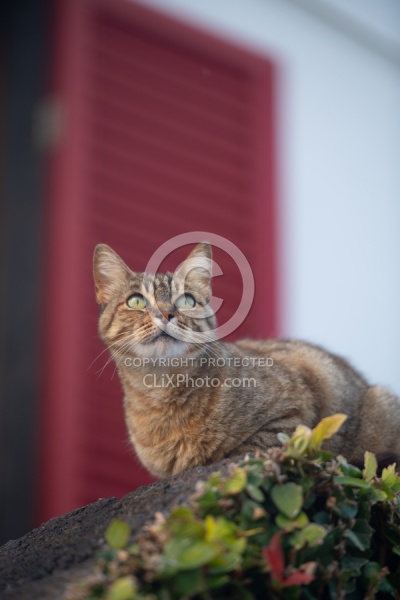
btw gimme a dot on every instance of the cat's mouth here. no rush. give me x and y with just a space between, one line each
161 344
163 335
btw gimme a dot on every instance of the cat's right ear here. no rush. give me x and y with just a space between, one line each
110 273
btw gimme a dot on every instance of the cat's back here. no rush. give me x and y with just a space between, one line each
303 358
284 348
303 383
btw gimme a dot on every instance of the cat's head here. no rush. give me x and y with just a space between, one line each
152 316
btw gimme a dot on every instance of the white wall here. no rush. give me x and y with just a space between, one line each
340 164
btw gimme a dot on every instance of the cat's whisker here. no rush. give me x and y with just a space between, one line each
113 357
105 349
100 372
202 343
114 352
129 344
212 357
128 348
195 337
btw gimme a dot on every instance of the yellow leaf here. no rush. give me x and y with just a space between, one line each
117 534
236 483
301 430
389 475
326 429
370 466
298 443
123 588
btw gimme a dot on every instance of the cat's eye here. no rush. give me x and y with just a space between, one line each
136 302
185 301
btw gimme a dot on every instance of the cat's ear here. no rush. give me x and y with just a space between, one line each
110 273
202 250
197 267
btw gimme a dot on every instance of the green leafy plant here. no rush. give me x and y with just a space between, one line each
295 522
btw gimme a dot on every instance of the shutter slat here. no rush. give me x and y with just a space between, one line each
167 132
135 50
146 140
163 121
113 86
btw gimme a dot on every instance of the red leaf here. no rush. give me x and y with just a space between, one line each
298 578
273 555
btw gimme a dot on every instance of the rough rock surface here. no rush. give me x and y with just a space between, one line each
44 563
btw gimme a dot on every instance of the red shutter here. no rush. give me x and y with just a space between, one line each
165 130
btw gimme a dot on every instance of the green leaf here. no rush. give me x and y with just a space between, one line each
182 513
182 522
267 483
389 476
352 481
392 535
379 495
238 546
209 498
288 498
133 549
219 529
190 554
354 539
283 438
123 588
188 582
216 581
349 469
326 429
364 531
290 524
396 487
117 534
346 510
215 479
310 535
325 551
236 483
248 508
223 563
322 518
353 563
255 492
386 587
372 572
370 466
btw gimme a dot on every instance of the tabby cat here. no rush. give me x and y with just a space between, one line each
191 400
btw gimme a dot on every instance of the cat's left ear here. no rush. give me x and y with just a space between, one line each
202 251
110 273
197 267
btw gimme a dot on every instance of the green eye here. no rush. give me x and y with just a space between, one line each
137 302
185 301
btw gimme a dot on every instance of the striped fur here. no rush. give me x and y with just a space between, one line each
174 428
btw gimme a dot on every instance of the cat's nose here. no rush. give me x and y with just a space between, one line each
167 315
